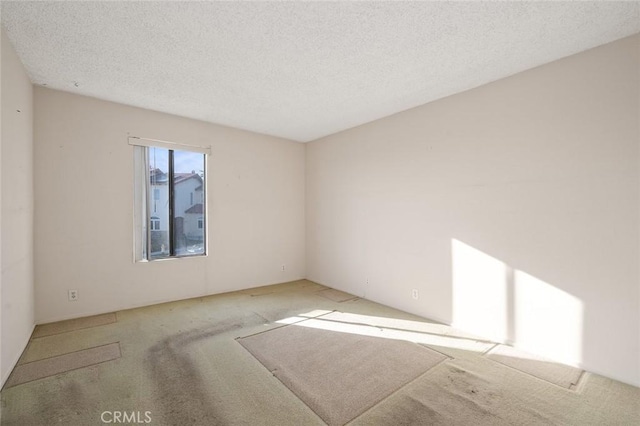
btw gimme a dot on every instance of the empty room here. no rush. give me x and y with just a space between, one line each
320 213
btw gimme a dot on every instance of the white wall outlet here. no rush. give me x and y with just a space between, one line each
414 293
283 267
73 295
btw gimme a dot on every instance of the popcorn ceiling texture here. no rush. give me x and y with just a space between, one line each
292 69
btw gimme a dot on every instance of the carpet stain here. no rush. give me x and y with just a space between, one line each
479 396
179 387
67 402
260 294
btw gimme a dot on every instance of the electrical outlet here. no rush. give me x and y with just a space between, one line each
73 295
283 267
414 293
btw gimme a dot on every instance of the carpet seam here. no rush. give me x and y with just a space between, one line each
531 375
73 352
485 353
63 372
445 358
442 361
76 329
413 331
580 383
338 301
282 326
22 355
279 380
72 369
425 346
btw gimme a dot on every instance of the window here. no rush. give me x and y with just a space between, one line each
168 223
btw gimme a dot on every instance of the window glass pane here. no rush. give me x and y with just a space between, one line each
159 184
188 208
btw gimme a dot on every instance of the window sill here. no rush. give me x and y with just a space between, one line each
164 259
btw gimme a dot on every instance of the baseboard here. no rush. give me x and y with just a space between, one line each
151 303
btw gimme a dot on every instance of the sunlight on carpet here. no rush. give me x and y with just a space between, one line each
339 375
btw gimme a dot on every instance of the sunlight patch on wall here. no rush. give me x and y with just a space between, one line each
479 292
548 321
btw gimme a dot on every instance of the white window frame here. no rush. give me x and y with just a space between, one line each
143 196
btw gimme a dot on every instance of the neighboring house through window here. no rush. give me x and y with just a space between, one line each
171 221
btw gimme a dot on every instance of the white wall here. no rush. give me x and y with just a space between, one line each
82 161
16 198
512 208
2 60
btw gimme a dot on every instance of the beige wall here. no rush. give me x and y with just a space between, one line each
16 198
512 208
84 209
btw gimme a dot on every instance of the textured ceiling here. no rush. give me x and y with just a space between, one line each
299 70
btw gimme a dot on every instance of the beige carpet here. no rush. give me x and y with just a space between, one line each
60 364
73 325
553 372
339 375
336 295
182 363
